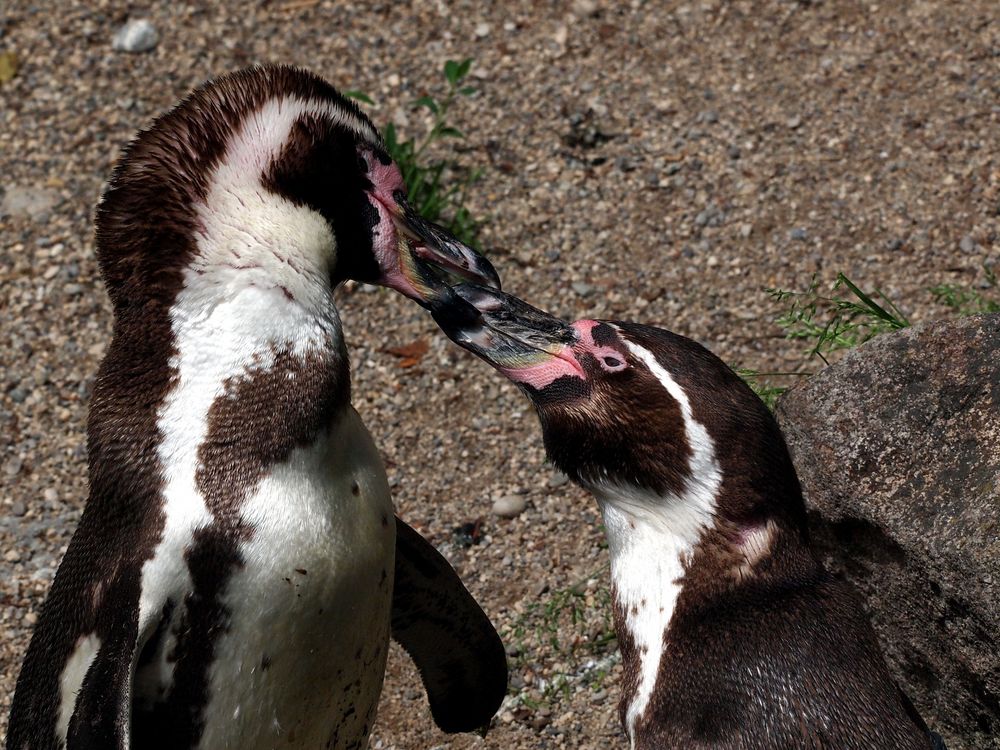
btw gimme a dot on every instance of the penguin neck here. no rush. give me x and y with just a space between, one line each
650 539
673 551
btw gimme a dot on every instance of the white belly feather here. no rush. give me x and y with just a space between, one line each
303 658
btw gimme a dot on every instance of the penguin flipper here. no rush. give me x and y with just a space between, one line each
460 656
102 711
75 688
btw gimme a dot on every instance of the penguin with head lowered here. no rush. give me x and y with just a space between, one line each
731 632
238 568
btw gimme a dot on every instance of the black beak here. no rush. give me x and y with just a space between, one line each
429 255
435 245
508 333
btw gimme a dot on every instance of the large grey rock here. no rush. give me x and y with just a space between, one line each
898 450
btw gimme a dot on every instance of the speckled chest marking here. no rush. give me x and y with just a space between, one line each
299 651
649 540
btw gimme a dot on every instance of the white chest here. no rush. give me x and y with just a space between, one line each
302 654
304 657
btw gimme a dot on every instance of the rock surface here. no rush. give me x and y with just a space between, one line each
898 450
31 202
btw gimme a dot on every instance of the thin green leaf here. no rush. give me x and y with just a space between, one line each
467 90
463 68
361 96
427 101
451 72
449 132
875 308
389 134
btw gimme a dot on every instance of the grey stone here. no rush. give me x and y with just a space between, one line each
137 35
18 508
509 506
799 234
35 203
582 288
558 479
897 450
967 244
710 216
12 466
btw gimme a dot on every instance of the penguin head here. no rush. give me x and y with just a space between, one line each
632 409
269 177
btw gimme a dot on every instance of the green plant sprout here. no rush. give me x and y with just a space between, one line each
832 323
967 301
428 189
560 624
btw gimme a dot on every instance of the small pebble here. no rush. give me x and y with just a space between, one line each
12 556
799 234
967 244
558 479
12 466
18 508
509 506
582 288
138 35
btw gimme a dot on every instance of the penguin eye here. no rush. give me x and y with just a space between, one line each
362 164
612 364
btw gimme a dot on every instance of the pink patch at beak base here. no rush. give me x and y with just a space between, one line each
559 365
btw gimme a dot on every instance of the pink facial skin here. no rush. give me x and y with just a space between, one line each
552 367
387 245
564 363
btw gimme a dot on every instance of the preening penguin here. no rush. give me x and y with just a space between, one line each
230 584
731 632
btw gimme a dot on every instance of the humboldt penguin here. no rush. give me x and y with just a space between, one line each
231 581
732 633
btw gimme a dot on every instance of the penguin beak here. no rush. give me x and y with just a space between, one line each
526 344
427 255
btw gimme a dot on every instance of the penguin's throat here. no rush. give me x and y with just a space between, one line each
650 541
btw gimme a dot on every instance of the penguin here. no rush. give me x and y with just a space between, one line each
732 634
238 568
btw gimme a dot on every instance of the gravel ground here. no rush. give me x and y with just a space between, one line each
660 162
